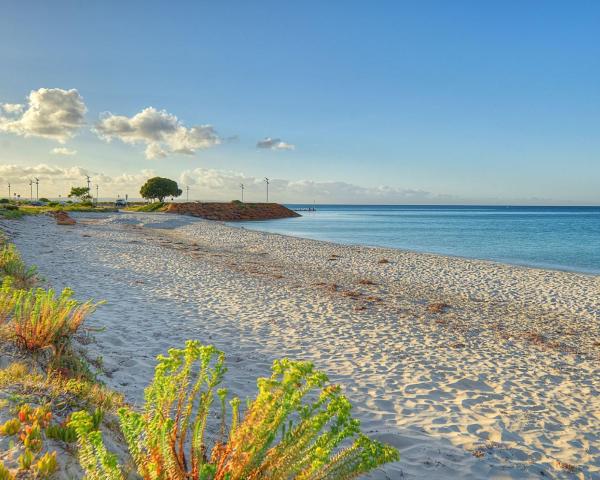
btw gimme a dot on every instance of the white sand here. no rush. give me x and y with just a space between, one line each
510 371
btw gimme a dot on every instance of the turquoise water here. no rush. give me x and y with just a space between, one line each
565 238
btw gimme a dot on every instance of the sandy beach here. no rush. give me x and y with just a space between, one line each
472 369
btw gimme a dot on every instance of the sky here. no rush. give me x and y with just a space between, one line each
396 102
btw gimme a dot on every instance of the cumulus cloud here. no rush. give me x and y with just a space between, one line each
63 151
162 133
12 108
274 144
56 180
211 184
51 113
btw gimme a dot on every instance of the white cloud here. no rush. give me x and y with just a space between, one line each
56 180
51 113
12 108
63 151
274 144
161 132
208 184
211 184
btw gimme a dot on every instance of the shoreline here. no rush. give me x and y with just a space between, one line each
531 266
459 392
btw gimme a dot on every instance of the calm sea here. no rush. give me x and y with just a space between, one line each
566 238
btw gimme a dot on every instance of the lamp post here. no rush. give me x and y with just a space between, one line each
37 188
267 182
242 187
9 190
187 195
31 189
96 194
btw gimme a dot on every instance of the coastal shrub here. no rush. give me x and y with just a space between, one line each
10 214
43 320
149 207
44 199
4 200
12 265
297 427
7 300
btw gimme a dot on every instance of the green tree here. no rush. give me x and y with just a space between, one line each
159 187
82 193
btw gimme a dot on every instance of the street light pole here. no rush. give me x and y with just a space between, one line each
88 182
37 188
267 182
242 187
187 197
96 194
31 189
9 190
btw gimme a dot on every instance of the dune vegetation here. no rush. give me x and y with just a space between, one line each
57 420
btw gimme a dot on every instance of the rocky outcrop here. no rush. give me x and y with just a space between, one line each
233 211
63 218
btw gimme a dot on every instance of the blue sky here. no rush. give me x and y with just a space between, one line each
374 102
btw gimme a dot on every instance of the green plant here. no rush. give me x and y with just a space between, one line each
295 428
5 473
26 459
63 433
7 299
44 199
46 465
10 427
97 462
43 320
12 265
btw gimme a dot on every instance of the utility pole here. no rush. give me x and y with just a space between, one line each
37 188
267 182
88 182
9 190
187 196
96 194
242 187
31 189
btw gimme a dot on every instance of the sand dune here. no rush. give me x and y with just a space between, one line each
502 382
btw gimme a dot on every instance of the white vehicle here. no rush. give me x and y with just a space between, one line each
120 202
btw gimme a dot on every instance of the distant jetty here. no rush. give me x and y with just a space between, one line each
232 211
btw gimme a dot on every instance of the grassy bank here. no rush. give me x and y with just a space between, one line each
12 211
56 419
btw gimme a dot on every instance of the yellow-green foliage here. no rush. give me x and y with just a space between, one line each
149 207
12 265
283 434
41 319
77 393
5 474
10 427
95 460
26 459
7 300
46 465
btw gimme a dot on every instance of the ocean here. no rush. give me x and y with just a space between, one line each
563 238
